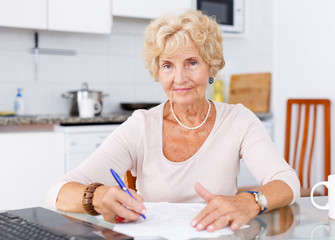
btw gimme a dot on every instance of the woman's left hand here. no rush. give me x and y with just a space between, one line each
221 210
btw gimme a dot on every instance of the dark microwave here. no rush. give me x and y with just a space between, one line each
228 13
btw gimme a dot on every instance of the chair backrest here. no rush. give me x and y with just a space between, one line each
302 128
130 180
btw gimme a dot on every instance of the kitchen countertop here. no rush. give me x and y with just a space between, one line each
65 120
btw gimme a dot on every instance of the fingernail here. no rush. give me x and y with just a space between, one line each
210 228
199 227
143 211
193 223
234 226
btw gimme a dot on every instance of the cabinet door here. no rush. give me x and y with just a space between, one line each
148 8
74 160
93 16
23 13
30 163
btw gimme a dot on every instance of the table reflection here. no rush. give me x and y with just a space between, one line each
282 219
272 223
297 221
325 229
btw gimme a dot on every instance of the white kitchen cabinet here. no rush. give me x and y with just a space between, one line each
23 13
91 16
30 163
149 9
82 141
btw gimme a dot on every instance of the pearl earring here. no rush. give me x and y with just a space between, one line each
211 80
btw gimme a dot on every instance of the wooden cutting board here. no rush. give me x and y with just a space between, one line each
252 90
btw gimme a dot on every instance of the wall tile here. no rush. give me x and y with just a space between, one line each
16 66
9 33
150 93
38 98
141 72
119 93
60 104
261 13
139 41
95 68
122 69
60 40
249 64
96 44
257 45
8 93
123 44
56 68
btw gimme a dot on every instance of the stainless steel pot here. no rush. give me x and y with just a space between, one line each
77 96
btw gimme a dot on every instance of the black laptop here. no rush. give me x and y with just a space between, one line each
41 223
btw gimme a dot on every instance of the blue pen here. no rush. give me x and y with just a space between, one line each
122 185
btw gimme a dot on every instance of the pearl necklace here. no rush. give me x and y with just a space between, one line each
191 128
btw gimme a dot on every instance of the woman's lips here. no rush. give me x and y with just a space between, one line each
181 90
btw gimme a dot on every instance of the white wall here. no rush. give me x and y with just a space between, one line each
253 52
113 63
304 56
109 63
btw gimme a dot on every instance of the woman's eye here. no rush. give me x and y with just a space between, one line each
192 63
167 66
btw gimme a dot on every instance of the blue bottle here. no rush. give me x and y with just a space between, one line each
19 103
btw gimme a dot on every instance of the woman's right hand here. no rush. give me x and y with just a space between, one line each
112 202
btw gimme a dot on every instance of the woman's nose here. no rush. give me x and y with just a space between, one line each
180 75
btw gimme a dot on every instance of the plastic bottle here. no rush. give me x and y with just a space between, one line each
19 103
218 90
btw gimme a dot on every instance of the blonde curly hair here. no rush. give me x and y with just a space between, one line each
165 34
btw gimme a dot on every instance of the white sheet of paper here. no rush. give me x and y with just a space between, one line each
170 221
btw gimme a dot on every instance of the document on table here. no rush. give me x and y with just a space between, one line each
170 221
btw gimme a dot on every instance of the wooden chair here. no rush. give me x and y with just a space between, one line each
130 180
301 131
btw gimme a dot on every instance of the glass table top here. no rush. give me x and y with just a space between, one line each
300 220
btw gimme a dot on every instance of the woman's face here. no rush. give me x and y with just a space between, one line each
184 76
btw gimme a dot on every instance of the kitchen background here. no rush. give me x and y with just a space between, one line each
294 40
113 63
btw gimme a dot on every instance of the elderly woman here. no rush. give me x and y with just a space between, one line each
187 149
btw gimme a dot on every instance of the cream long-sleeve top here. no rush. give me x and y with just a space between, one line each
136 145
